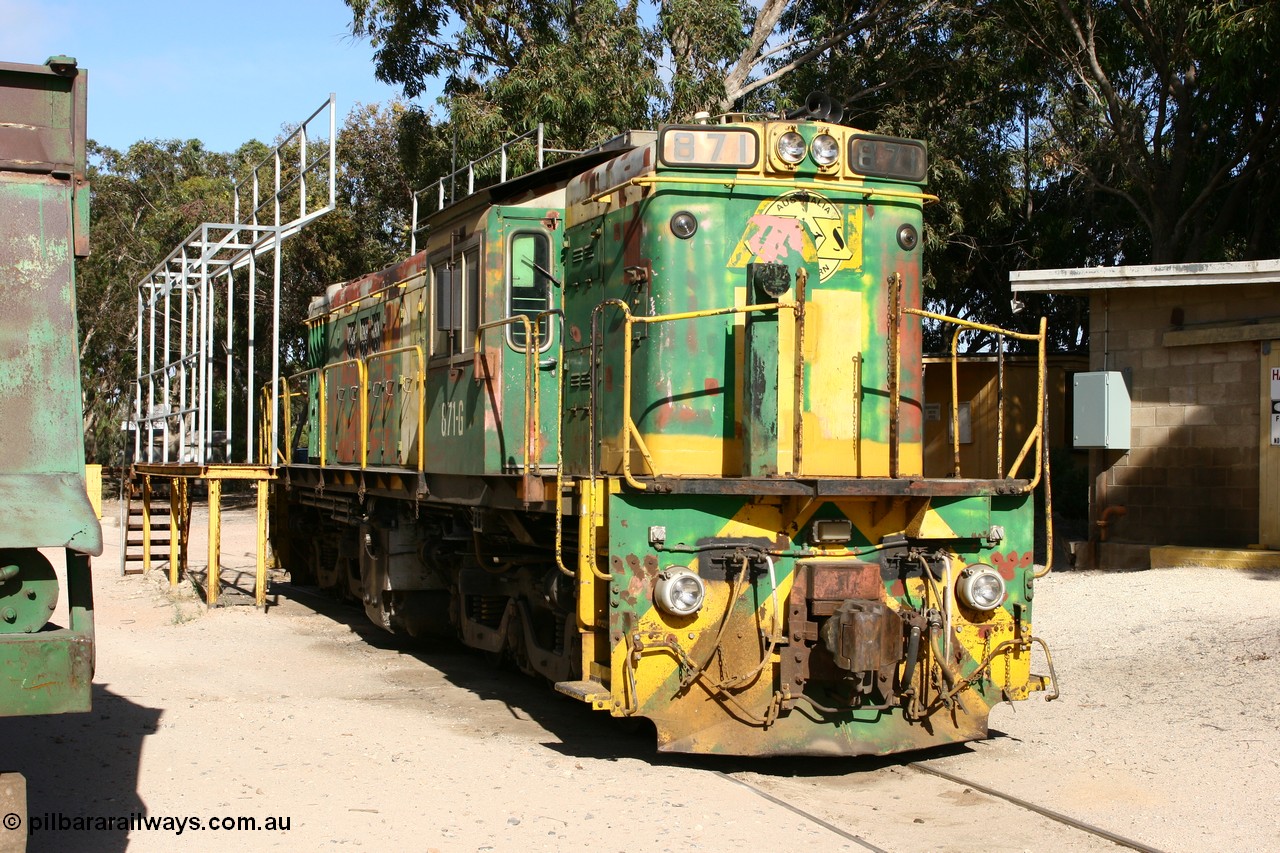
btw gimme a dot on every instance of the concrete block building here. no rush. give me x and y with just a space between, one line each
1197 346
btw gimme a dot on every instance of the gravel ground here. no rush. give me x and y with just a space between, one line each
1165 732
1167 726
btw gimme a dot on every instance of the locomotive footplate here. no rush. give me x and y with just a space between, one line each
842 635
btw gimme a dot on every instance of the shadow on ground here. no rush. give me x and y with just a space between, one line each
580 732
78 767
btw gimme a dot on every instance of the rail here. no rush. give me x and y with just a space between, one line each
629 428
268 455
866 192
1035 438
532 403
420 379
361 383
286 395
532 346
363 388
449 182
208 288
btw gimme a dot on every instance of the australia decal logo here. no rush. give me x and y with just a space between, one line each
802 226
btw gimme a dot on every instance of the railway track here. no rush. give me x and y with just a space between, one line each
1064 819
807 815
1044 811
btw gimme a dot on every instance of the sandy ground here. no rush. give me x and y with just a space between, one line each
1166 732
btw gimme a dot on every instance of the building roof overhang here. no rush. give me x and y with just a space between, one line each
1084 279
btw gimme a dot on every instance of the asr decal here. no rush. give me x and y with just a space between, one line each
804 224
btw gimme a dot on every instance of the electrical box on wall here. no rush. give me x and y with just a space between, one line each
1100 411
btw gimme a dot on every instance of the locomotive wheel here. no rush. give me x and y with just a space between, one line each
514 645
423 615
28 590
302 564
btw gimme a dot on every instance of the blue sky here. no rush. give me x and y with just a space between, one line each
222 72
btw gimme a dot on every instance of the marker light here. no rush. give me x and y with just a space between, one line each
825 149
832 531
684 224
679 591
981 587
791 147
908 239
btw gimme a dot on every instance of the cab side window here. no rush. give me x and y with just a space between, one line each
528 283
456 302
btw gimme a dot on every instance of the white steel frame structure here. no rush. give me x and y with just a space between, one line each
179 321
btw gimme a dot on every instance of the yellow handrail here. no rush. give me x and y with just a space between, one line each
559 421
364 415
531 348
629 427
1035 437
768 183
268 418
422 395
287 396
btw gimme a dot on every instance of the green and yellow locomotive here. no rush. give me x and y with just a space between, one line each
648 423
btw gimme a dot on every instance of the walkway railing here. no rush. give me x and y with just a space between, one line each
630 431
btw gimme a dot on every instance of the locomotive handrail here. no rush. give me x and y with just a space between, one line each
288 413
559 420
770 183
363 363
450 180
422 394
264 425
319 396
1036 436
531 425
629 428
364 414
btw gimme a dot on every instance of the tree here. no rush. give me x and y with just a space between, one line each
584 68
589 68
952 75
1169 107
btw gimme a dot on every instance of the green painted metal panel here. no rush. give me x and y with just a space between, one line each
45 673
760 390
43 124
969 517
44 215
41 447
510 229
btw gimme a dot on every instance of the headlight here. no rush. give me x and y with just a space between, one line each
791 147
679 591
684 224
981 587
825 149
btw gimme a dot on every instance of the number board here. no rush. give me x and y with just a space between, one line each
712 148
888 157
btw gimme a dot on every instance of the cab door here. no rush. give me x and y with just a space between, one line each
530 290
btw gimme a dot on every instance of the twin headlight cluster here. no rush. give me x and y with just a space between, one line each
824 149
680 592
